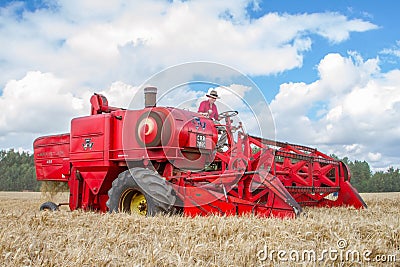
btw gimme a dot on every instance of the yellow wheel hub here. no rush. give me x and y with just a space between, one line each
133 201
138 204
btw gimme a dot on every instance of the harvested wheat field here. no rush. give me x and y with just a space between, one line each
319 237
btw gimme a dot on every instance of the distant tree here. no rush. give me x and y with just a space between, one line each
360 175
17 171
346 160
334 156
365 181
388 181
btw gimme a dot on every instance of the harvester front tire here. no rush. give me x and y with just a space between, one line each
141 191
50 206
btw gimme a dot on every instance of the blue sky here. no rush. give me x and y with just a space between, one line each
329 70
369 44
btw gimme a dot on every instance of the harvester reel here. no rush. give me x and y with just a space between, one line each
140 191
227 114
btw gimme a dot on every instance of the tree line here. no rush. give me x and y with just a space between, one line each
365 180
17 173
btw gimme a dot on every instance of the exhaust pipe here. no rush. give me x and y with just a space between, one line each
150 96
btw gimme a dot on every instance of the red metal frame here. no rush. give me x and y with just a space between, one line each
254 175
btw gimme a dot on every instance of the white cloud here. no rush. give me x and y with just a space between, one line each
41 103
362 109
34 102
129 41
392 52
120 94
374 156
53 59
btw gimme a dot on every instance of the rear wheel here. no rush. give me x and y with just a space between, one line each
141 191
50 206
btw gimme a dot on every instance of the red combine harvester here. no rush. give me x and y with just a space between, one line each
164 160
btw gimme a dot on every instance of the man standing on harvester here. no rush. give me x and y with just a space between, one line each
208 108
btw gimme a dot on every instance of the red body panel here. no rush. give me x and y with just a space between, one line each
51 155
